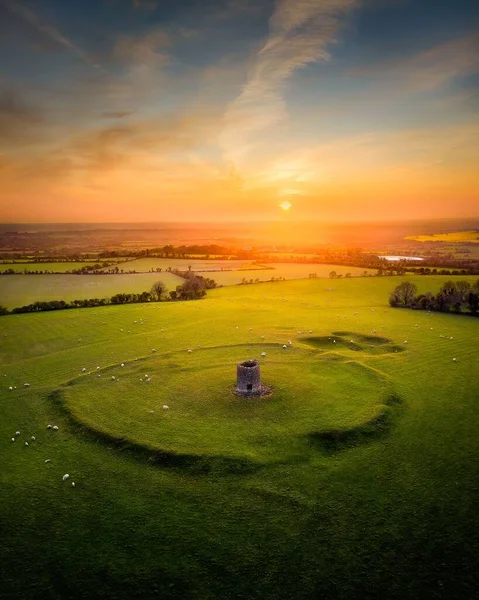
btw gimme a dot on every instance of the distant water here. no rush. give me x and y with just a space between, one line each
398 258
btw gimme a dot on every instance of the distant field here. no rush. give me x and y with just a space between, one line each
288 271
18 290
143 265
60 267
457 237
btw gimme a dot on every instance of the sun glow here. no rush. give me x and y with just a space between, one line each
285 205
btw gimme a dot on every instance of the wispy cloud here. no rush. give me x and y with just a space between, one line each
299 33
19 9
430 68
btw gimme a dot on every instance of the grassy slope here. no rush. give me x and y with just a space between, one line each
17 290
391 518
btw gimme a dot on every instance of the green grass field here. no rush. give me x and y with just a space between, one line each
57 267
18 290
357 478
143 265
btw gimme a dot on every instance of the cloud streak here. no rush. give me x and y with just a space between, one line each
17 8
299 33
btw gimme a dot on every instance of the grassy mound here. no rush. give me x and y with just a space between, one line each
312 393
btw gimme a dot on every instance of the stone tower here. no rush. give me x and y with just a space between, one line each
248 381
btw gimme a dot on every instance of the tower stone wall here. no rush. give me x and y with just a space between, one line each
248 380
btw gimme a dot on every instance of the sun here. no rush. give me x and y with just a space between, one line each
285 205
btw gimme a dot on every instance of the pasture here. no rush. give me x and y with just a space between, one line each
18 290
57 267
357 476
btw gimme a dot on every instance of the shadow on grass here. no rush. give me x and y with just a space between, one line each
188 463
350 340
338 440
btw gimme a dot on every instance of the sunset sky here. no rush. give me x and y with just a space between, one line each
222 110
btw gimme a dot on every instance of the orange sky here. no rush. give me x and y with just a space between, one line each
278 107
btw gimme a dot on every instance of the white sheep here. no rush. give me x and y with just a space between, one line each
454 360
263 353
284 346
55 428
165 407
26 443
10 388
83 370
154 350
33 438
26 385
98 368
13 439
190 350
65 477
73 484
49 426
113 378
17 433
122 365
48 460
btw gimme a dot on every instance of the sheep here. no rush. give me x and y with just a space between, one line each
122 365
113 378
290 342
98 368
165 407
263 353
26 443
10 388
49 426
73 484
33 438
55 428
83 370
13 439
454 360
284 346
48 460
17 433
190 350
65 477
154 350
26 385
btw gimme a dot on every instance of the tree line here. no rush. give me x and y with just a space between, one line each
454 296
193 288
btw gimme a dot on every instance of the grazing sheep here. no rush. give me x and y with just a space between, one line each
154 350
10 388
189 350
48 460
17 433
454 360
26 443
55 428
33 438
83 370
26 385
65 477
263 353
49 426
284 346
113 378
73 484
165 407
98 368
122 365
13 439
290 342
